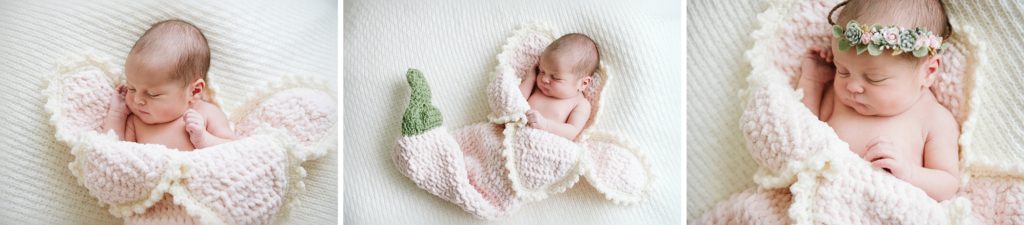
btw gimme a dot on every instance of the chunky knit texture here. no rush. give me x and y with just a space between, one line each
490 169
807 170
247 181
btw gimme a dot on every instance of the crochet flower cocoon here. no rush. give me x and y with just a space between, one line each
251 180
807 175
489 169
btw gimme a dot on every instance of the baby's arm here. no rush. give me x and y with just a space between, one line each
117 114
529 79
816 70
207 126
569 129
940 175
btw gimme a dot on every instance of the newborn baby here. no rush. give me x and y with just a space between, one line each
555 88
872 87
164 99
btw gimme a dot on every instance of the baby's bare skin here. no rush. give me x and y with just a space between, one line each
883 108
151 107
555 95
178 134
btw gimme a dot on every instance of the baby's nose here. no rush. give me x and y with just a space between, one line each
138 100
855 87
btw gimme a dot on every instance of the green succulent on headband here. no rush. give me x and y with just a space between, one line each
876 38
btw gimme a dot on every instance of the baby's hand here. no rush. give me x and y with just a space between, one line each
195 125
117 106
534 119
883 154
531 72
816 65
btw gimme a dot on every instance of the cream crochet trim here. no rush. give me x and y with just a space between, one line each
619 197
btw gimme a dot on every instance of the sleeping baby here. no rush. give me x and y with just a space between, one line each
555 88
164 99
872 87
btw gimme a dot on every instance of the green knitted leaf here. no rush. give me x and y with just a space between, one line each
420 116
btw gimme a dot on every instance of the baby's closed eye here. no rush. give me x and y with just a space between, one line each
843 74
877 80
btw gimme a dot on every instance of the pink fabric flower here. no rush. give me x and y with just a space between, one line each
934 42
891 35
865 38
921 42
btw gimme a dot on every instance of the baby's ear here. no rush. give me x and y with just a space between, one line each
932 68
196 88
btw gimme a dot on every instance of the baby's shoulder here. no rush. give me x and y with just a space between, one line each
206 108
583 103
939 119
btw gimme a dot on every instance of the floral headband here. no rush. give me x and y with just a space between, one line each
876 38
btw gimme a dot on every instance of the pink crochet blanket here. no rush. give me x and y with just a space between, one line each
808 175
491 168
247 181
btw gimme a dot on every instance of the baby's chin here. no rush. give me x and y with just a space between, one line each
559 95
151 119
861 109
865 110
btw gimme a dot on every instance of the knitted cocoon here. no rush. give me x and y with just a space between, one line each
246 181
807 175
489 169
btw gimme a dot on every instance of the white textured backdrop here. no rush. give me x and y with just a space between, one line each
455 44
717 161
252 42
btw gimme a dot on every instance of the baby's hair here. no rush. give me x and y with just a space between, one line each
187 42
930 14
589 55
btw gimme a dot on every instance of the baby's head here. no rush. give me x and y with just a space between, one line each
566 66
887 84
166 71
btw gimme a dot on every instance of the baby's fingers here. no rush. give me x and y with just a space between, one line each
190 116
877 151
875 155
884 164
812 51
826 54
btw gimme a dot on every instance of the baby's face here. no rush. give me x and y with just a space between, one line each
883 85
153 95
555 77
